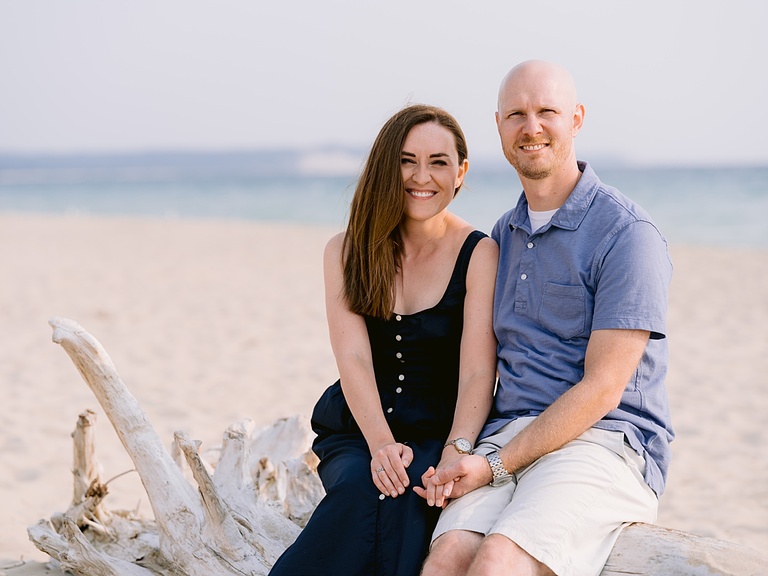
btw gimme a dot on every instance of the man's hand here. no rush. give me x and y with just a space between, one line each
455 480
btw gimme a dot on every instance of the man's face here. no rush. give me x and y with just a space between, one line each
537 120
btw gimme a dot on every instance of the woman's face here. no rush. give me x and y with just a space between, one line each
431 170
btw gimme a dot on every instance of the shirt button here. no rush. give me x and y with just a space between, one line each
381 496
398 317
398 390
523 276
398 337
530 244
399 355
401 377
390 410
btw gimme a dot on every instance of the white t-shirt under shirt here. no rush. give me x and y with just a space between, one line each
539 219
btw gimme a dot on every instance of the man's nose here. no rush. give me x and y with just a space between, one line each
532 125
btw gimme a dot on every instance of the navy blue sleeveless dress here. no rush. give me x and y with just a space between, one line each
353 532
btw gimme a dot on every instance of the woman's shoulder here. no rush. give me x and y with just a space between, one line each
335 244
463 230
485 255
332 253
487 250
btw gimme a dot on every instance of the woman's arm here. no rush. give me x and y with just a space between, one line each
352 350
477 369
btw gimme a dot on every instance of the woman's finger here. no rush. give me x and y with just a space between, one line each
386 477
407 455
379 479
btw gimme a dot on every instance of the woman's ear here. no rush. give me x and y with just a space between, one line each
463 167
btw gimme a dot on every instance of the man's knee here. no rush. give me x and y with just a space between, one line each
452 553
498 555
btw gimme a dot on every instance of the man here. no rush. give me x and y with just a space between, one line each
577 444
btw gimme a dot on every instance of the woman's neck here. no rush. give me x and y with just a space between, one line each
418 235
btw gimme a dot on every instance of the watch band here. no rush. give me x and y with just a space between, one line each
500 474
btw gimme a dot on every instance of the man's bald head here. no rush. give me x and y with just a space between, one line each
539 76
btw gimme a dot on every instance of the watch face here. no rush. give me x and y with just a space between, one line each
463 445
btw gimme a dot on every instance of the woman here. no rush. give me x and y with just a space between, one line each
409 297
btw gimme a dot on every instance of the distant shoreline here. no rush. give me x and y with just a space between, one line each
697 206
308 162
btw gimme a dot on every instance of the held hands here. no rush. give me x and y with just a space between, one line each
454 479
388 465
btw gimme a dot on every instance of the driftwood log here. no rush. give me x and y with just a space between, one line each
237 514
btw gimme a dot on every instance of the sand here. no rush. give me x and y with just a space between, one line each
209 322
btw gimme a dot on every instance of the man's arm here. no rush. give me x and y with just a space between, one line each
611 358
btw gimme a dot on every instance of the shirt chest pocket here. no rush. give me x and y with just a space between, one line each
563 310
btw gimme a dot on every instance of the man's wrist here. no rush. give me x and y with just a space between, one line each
499 472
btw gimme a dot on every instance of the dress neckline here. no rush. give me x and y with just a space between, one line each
450 281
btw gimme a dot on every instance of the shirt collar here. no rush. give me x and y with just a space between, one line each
570 214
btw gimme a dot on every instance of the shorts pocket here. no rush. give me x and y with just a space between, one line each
564 310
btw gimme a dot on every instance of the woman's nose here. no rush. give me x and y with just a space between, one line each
421 174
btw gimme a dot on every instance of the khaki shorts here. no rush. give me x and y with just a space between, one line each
567 508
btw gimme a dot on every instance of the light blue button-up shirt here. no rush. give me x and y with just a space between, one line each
599 264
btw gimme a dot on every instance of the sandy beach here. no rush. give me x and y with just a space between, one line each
209 322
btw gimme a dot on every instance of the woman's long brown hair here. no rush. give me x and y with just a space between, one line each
372 246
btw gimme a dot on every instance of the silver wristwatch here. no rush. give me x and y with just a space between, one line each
462 445
500 474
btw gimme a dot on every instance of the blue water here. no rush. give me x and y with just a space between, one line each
722 207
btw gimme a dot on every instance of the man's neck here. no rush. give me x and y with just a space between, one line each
551 192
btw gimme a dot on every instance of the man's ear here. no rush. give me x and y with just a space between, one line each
578 119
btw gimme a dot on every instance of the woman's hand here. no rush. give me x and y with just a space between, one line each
434 492
388 465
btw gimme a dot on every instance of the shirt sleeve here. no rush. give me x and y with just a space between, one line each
633 279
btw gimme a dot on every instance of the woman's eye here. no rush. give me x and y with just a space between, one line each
406 161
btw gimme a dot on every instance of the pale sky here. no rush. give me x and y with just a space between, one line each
663 81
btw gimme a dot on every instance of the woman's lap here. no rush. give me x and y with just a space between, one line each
356 531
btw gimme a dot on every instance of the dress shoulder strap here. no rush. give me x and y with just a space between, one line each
465 255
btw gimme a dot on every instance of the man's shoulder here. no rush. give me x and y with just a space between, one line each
503 223
611 205
609 198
